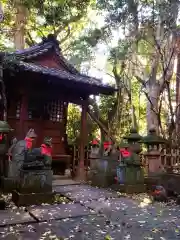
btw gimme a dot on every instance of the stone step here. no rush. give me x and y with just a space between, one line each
13 217
84 192
62 182
58 211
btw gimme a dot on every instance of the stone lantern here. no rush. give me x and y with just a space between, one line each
129 172
4 130
152 156
133 140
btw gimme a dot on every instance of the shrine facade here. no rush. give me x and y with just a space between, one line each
39 84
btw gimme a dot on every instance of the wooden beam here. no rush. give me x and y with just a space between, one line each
23 116
81 173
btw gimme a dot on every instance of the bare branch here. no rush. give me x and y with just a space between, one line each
67 23
67 35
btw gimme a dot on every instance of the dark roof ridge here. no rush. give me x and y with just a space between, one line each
47 43
61 74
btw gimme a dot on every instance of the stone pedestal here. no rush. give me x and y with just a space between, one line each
153 161
8 184
94 163
35 187
103 171
154 168
130 188
130 178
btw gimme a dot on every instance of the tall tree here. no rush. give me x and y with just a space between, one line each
145 51
36 18
20 24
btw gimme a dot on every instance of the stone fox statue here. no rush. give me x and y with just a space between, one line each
159 193
46 151
18 151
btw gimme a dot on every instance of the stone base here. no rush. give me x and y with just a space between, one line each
129 188
36 181
8 184
150 181
2 204
102 180
21 199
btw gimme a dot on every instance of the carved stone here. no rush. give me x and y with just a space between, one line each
130 174
35 178
104 172
19 154
35 181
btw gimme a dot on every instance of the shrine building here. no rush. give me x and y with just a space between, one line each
39 84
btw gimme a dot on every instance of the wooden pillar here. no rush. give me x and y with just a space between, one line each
23 116
81 173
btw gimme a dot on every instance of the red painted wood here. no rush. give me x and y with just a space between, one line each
56 130
83 139
23 116
49 60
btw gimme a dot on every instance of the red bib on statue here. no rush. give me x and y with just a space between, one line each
28 143
45 150
107 144
125 153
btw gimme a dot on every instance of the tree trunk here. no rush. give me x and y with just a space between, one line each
152 107
3 92
178 96
101 126
20 24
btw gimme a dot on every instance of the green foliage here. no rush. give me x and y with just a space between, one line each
147 27
131 56
107 237
64 18
74 125
81 53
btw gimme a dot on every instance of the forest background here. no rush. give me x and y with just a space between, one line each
131 44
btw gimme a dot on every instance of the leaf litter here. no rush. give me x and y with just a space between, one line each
157 218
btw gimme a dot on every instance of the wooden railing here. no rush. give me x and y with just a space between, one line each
170 158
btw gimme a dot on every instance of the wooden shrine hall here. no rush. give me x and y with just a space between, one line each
39 85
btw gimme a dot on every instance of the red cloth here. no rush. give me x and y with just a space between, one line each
125 153
156 192
94 142
28 142
107 144
1 137
46 150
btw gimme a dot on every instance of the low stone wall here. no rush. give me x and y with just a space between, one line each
168 180
172 181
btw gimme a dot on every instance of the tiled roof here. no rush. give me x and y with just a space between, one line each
59 75
72 74
50 43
